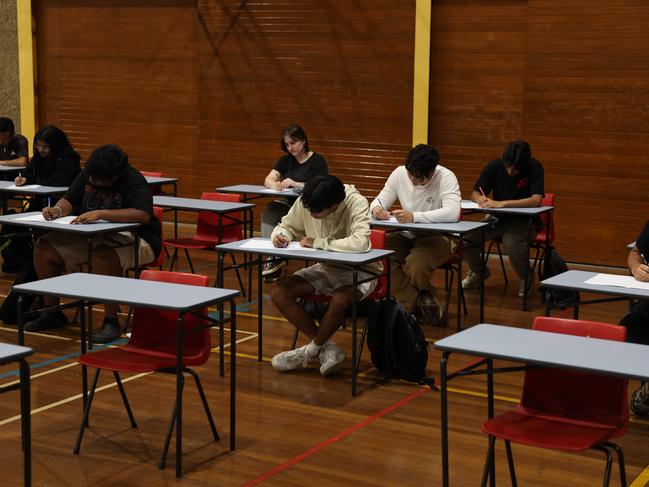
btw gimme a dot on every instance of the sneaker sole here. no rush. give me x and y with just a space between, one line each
272 271
332 369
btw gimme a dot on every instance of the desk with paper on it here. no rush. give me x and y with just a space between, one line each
25 186
38 217
268 244
628 282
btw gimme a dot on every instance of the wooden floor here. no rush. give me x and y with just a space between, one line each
293 428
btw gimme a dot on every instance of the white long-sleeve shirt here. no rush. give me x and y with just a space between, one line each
437 201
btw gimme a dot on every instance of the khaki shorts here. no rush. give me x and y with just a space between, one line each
74 248
325 279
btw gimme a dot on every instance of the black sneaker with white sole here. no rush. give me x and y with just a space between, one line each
110 331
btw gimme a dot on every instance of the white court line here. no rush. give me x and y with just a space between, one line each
35 333
107 386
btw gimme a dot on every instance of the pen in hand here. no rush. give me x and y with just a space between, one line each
644 261
384 209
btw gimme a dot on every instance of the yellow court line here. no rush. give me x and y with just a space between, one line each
642 479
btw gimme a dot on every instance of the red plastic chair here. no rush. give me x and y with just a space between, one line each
152 348
207 232
155 189
377 239
564 409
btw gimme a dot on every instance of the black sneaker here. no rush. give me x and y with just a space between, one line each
109 332
46 321
272 266
639 403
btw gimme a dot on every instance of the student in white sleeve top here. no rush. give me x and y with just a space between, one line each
427 193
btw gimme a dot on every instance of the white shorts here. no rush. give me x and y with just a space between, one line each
325 279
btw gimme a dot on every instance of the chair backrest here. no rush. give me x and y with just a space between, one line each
547 219
158 212
207 225
377 239
576 395
154 330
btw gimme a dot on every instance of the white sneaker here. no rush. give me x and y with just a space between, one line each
291 360
331 358
472 279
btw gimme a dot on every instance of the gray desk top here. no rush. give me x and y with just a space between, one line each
136 292
4 168
195 204
551 349
257 189
42 190
469 205
459 228
86 229
574 281
10 353
315 255
160 180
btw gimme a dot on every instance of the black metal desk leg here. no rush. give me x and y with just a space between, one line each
490 414
219 283
444 415
21 321
460 244
354 324
179 393
260 311
482 271
25 418
233 377
89 250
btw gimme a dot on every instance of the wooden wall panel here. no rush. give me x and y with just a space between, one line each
200 89
569 77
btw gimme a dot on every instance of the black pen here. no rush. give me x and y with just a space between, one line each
644 261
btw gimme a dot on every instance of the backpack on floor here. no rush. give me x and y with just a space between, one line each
9 307
560 298
409 354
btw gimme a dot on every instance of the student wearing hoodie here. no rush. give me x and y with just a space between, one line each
329 216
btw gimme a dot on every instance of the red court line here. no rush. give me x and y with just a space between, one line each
302 456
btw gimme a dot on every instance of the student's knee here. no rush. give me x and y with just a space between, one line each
279 293
106 261
45 251
341 300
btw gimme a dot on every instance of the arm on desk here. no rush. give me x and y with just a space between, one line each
124 215
17 162
637 266
62 208
272 180
531 202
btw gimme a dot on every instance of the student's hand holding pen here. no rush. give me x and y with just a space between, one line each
52 213
280 241
379 212
641 271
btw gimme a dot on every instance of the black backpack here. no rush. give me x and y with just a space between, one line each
409 354
560 298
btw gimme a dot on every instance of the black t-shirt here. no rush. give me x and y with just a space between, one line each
494 179
18 147
51 171
130 191
642 242
288 167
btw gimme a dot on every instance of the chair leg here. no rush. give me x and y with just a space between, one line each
502 262
206 406
620 458
487 463
170 430
236 269
173 259
122 393
86 413
510 462
128 318
189 261
449 291
609 462
294 342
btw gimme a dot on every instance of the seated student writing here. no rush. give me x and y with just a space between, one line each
14 149
515 180
636 320
107 189
428 193
290 171
330 216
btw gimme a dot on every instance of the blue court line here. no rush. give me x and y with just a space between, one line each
44 363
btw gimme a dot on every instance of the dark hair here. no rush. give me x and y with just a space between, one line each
55 138
321 193
106 162
6 125
422 160
294 132
517 154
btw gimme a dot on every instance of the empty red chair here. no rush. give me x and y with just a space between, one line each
566 410
207 232
152 348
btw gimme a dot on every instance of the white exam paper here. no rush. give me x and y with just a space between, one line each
628 282
26 186
268 244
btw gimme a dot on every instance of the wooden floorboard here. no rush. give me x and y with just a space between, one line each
296 428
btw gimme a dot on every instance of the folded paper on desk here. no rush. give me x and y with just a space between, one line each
268 244
26 186
64 220
470 205
617 281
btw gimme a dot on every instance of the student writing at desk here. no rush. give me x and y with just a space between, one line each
515 180
14 149
290 171
55 163
428 193
329 216
107 189
636 320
